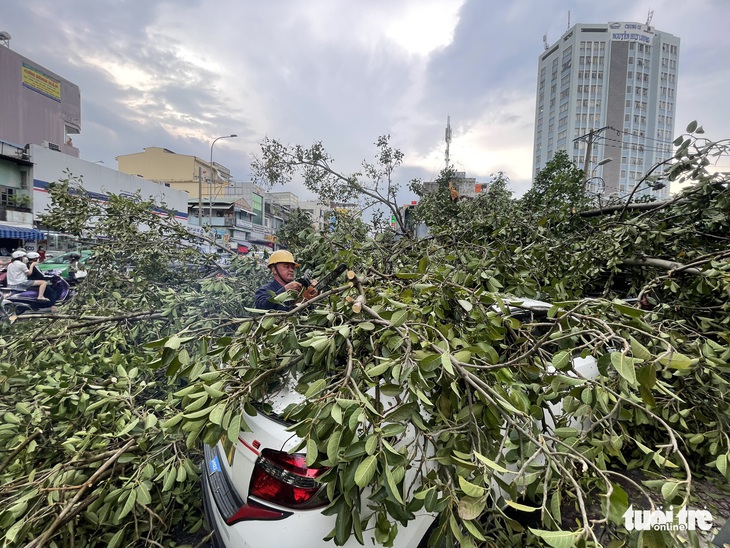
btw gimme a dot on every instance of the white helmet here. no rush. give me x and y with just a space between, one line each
18 254
33 255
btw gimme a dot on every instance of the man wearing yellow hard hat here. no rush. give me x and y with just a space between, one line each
282 265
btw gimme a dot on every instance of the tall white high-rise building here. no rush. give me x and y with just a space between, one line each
608 91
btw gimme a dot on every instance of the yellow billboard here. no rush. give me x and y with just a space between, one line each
42 83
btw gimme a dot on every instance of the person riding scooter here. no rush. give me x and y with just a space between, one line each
19 275
52 290
74 269
33 260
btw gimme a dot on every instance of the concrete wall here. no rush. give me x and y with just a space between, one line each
159 164
50 166
181 171
37 104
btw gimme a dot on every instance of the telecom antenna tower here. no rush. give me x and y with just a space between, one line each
448 140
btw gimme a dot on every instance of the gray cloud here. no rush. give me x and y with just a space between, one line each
178 74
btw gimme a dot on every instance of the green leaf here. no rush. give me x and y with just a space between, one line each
11 533
494 285
675 360
721 464
315 388
463 356
446 363
371 444
392 485
470 489
670 490
561 360
474 530
491 464
143 494
566 432
234 428
336 413
355 450
392 429
333 445
639 350
692 126
312 452
131 500
521 507
399 318
626 310
366 471
558 539
423 398
217 413
466 305
471 507
646 375
170 476
619 503
174 342
625 367
200 413
116 540
378 369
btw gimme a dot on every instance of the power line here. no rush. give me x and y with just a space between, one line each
626 145
664 141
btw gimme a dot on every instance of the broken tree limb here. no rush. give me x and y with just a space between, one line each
670 266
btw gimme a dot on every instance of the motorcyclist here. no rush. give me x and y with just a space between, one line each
281 263
73 268
19 275
52 292
33 260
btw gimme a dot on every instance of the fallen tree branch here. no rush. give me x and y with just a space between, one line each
68 510
670 266
18 449
643 206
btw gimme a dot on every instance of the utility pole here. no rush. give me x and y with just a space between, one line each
589 146
589 139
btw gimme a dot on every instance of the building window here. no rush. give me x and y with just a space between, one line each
7 196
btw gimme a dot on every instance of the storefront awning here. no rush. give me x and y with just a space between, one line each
16 232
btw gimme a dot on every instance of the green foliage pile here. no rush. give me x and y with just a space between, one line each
86 457
428 378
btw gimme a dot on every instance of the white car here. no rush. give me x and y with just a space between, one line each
257 494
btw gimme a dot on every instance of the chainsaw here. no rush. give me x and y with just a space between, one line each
311 288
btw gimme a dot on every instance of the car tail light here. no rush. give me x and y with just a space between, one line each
286 480
253 511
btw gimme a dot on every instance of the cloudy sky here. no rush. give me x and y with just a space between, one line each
179 73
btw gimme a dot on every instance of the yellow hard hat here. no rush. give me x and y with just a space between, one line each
281 256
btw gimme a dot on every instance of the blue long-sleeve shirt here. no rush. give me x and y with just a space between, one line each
261 298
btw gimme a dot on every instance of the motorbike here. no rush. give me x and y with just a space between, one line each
15 301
